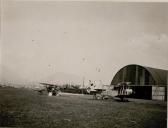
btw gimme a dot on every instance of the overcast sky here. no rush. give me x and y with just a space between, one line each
87 39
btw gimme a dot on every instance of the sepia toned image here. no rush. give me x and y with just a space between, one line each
83 64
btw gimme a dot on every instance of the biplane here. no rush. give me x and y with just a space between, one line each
52 89
121 90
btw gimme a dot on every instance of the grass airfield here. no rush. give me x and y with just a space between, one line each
26 108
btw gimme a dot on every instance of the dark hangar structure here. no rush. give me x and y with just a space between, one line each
146 82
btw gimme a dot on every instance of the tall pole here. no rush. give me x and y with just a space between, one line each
83 60
83 84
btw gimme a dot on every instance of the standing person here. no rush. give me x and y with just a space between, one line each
49 89
92 90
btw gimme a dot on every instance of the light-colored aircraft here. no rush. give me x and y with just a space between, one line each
122 91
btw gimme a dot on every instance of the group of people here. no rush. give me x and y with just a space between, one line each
124 89
53 90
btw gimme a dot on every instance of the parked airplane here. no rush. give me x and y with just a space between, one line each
122 90
52 89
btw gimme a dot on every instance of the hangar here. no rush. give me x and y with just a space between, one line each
146 82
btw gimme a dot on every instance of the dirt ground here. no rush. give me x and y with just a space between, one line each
26 108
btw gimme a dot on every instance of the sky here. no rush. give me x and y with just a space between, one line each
80 40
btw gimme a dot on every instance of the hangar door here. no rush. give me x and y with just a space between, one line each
142 92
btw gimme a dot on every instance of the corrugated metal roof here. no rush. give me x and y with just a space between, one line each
160 76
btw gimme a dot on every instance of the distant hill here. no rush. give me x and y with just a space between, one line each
63 78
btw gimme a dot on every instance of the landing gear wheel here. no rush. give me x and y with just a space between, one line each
98 96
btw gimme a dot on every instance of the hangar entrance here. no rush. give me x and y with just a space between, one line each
142 92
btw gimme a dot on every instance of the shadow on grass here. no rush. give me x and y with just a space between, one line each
125 100
112 100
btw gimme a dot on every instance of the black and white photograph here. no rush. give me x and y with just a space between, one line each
83 64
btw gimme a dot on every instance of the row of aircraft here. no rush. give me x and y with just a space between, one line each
122 90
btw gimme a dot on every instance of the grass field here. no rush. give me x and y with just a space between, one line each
25 108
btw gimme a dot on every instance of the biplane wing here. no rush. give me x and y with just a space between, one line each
48 84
